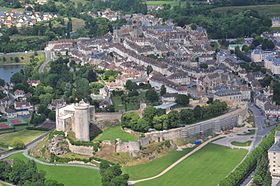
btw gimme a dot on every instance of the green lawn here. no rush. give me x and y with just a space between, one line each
26 136
119 106
154 167
69 176
270 10
159 3
114 132
206 167
241 144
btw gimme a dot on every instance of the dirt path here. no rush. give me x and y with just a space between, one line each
175 163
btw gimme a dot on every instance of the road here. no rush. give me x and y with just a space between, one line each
261 131
47 60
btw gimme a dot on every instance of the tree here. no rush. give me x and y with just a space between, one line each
173 118
129 85
17 143
152 96
160 122
18 78
203 65
268 45
2 82
187 116
162 90
149 69
182 99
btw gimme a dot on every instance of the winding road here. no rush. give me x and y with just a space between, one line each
47 60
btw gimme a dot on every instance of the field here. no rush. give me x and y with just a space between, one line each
159 3
206 167
68 175
119 106
241 144
23 58
270 10
154 167
26 136
77 23
112 133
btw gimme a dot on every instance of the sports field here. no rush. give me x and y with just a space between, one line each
114 132
26 136
69 176
206 167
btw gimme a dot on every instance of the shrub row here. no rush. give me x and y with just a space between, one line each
37 128
240 173
55 158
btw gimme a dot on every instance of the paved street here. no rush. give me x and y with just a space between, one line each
47 60
262 131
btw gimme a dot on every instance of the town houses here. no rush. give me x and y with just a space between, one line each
20 19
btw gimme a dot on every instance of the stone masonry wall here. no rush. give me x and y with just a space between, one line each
83 150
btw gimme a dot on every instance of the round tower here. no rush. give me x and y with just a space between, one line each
82 120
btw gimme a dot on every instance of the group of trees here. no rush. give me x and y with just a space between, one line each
243 2
218 25
262 174
236 176
111 175
274 84
156 118
21 173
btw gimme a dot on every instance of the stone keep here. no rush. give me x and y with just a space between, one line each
76 118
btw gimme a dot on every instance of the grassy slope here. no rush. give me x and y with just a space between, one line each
206 167
270 10
112 133
26 136
154 167
69 176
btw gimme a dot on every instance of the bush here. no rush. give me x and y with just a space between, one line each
17 143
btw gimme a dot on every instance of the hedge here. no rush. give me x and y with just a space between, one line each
241 172
55 158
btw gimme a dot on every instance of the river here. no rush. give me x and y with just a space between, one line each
6 71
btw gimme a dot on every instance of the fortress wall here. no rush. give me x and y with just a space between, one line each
208 127
83 150
104 120
133 147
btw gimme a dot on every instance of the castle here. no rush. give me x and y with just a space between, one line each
77 118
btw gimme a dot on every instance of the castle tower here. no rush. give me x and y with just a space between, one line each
82 121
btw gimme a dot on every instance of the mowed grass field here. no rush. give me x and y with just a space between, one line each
159 3
154 167
114 132
26 136
69 176
269 10
206 167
